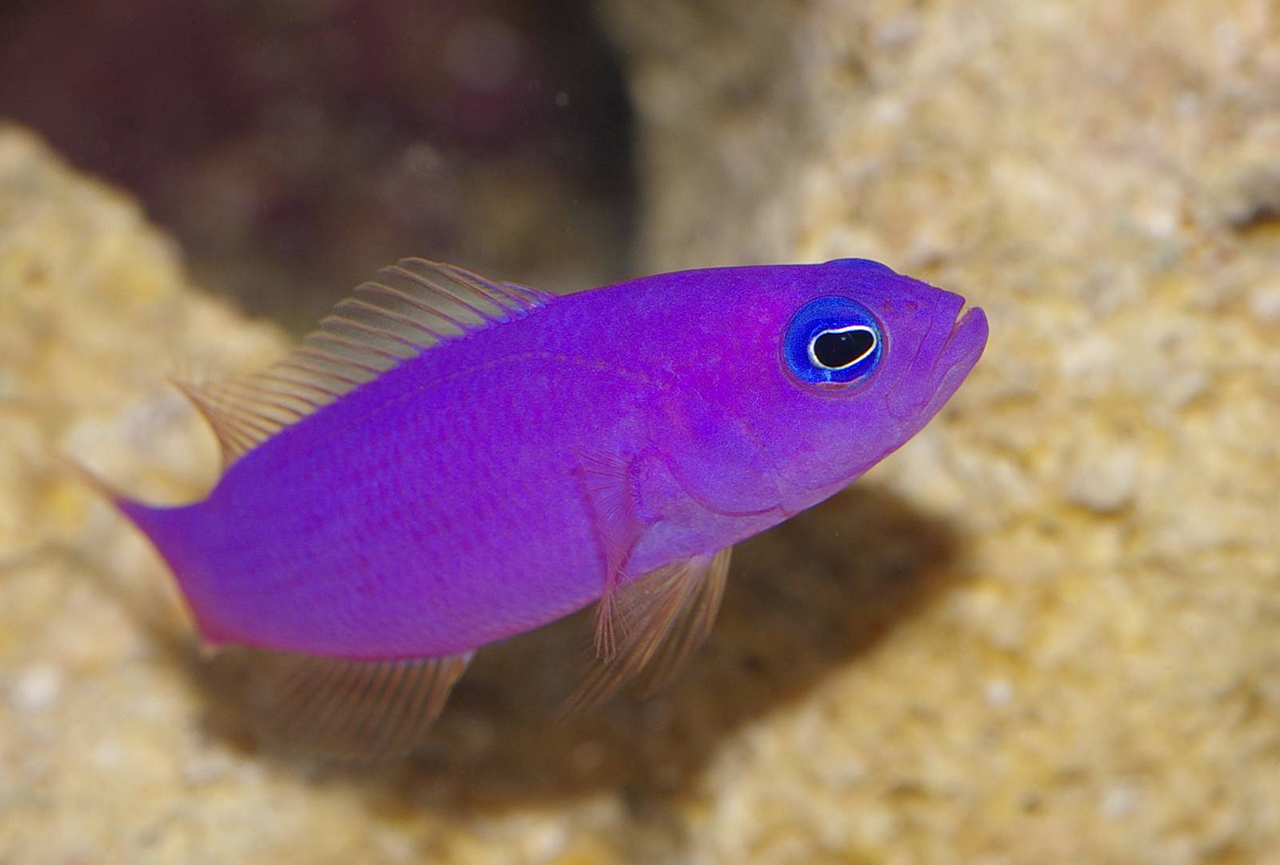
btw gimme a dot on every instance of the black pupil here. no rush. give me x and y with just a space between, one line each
836 350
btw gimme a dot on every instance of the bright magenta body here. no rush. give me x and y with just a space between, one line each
450 501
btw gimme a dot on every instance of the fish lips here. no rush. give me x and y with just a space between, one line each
944 359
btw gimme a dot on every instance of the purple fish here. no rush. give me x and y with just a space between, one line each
449 461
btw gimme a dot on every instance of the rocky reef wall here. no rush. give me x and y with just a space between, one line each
1047 630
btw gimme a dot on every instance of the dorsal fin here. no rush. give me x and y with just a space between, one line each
404 310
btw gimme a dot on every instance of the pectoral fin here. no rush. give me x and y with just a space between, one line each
667 615
609 487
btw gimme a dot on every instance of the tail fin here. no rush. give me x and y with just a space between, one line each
137 512
165 527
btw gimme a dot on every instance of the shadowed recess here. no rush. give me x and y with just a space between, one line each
292 148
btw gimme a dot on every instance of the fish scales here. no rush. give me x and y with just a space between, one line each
436 509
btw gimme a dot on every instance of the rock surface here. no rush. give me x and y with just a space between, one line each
1102 178
1047 631
119 744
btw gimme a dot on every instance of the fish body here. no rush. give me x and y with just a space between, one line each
549 453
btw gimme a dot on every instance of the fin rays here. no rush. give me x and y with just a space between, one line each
404 310
354 709
665 617
609 489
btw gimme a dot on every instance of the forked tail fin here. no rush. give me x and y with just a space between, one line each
138 513
329 707
168 530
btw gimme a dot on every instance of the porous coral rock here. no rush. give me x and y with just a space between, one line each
1104 685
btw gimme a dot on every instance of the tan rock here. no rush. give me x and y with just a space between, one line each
1046 631
1103 685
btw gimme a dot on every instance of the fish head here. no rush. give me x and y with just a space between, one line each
853 360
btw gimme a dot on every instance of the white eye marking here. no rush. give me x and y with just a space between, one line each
836 331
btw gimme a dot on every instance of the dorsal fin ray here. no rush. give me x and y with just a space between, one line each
404 310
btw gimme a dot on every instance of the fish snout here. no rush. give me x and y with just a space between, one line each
948 351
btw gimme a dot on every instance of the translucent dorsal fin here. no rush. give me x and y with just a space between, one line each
404 310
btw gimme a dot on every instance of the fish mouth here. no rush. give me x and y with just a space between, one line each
944 358
959 355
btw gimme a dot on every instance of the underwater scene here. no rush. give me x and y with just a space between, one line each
640 431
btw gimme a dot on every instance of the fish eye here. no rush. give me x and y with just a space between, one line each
832 341
842 347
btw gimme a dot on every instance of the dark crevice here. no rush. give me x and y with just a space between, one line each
291 149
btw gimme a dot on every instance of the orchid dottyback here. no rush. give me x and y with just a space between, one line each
448 461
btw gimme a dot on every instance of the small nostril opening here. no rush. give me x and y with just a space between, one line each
294 148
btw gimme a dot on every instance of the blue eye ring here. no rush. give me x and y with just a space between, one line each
832 341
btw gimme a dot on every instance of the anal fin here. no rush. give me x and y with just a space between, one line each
354 710
668 614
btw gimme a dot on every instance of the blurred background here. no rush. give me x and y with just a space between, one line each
293 148
1045 631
